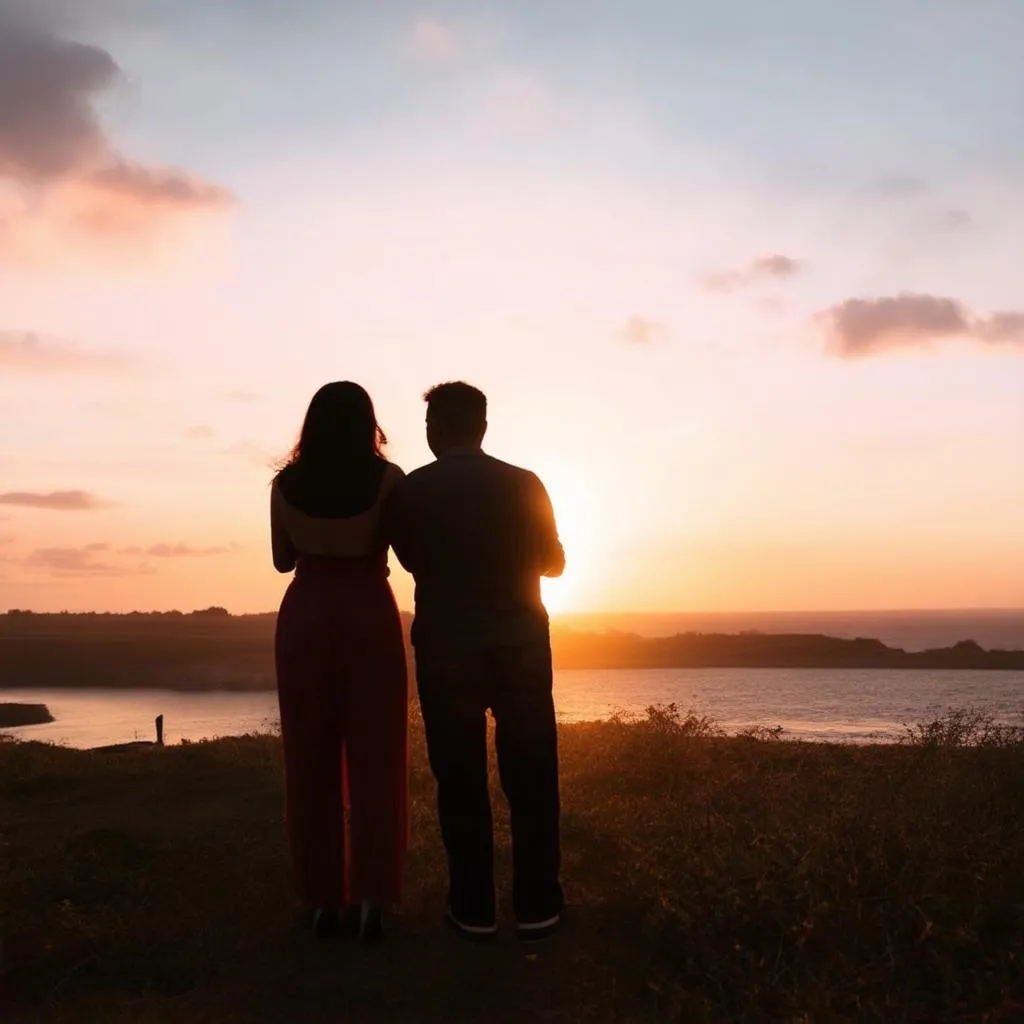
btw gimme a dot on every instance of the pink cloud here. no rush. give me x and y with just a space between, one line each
251 452
431 39
76 561
158 186
1002 328
775 266
30 353
185 551
200 432
862 327
639 330
101 558
61 501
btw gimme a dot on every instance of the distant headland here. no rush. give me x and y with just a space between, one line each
213 650
13 715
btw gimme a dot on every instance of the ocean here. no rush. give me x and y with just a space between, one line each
834 705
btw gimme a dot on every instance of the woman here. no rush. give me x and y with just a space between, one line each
341 674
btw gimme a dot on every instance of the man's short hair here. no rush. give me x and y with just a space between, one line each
459 407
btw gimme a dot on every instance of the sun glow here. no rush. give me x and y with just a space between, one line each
579 526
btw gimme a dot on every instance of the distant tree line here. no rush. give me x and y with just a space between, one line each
213 612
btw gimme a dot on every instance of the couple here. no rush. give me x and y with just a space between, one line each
476 534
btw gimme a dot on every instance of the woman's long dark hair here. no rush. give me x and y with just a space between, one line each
337 464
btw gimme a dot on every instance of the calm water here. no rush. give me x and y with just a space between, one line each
855 705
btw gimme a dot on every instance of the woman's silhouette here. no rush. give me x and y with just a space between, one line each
341 673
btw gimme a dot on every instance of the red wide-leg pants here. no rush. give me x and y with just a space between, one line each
342 689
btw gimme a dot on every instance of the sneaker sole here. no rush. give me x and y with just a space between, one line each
472 933
540 930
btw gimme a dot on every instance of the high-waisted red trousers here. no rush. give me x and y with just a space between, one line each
342 689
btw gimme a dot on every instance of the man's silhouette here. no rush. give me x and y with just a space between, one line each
477 534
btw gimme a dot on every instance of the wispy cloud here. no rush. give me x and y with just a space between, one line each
26 352
862 327
433 40
103 559
639 330
200 432
65 176
165 550
252 452
896 186
82 561
61 501
243 396
955 220
519 103
774 266
1005 328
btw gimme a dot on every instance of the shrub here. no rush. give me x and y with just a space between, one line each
667 719
762 733
962 727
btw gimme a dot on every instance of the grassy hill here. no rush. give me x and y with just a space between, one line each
709 879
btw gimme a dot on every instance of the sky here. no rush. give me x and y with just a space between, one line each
741 282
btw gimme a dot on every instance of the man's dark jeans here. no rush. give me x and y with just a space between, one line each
456 688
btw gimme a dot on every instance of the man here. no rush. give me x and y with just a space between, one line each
477 534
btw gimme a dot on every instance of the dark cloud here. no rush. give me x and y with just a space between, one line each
862 327
772 266
48 127
62 501
53 146
30 353
639 330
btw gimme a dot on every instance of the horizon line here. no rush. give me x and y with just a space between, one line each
936 610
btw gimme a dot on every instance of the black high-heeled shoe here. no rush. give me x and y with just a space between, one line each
326 923
371 924
351 921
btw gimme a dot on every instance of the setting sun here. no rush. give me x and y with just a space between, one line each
580 524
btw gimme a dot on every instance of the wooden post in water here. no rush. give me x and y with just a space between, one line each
159 730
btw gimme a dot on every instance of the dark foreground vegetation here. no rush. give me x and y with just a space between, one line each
710 879
211 649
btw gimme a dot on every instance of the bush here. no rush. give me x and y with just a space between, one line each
962 727
667 719
762 733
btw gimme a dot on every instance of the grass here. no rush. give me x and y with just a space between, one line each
709 878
